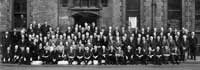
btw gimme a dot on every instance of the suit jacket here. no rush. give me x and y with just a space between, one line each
45 29
72 53
139 52
185 44
80 52
178 42
129 52
153 44
158 52
87 53
172 44
193 42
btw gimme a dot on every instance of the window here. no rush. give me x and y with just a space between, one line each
133 10
19 14
64 3
175 14
197 15
104 3
85 3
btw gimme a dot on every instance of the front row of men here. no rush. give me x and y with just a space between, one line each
114 53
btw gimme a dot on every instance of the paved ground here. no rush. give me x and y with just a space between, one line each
115 67
188 65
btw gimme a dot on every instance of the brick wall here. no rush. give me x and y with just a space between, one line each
5 12
44 10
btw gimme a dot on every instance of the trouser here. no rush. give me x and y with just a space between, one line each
7 60
45 59
79 60
111 60
175 59
128 59
70 60
150 58
140 59
193 53
157 59
165 59
119 60
184 55
87 60
102 58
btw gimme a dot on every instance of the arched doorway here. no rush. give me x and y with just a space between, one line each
85 17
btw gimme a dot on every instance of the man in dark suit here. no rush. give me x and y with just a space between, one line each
87 55
22 53
15 38
8 56
193 42
139 55
16 54
158 56
129 55
80 53
184 48
124 43
95 56
175 55
111 54
6 42
45 28
132 44
71 55
28 58
119 55
102 55
37 30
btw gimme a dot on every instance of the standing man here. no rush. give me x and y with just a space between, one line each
6 44
185 47
193 42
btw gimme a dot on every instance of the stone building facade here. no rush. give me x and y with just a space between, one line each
63 13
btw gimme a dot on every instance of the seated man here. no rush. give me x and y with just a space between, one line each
87 56
80 54
16 54
175 53
22 58
111 55
150 54
95 56
139 55
129 55
119 56
8 57
28 58
166 54
71 55
158 55
60 52
103 55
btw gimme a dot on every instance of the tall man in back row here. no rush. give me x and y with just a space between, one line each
193 42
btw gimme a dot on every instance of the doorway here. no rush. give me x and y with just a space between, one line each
84 17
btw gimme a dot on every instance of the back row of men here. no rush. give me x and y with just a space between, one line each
89 44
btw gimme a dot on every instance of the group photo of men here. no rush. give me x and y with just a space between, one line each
88 44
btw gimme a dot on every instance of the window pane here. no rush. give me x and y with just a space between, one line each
174 4
175 14
133 4
133 10
64 3
105 3
197 17
20 14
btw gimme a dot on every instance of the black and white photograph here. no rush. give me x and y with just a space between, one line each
99 34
